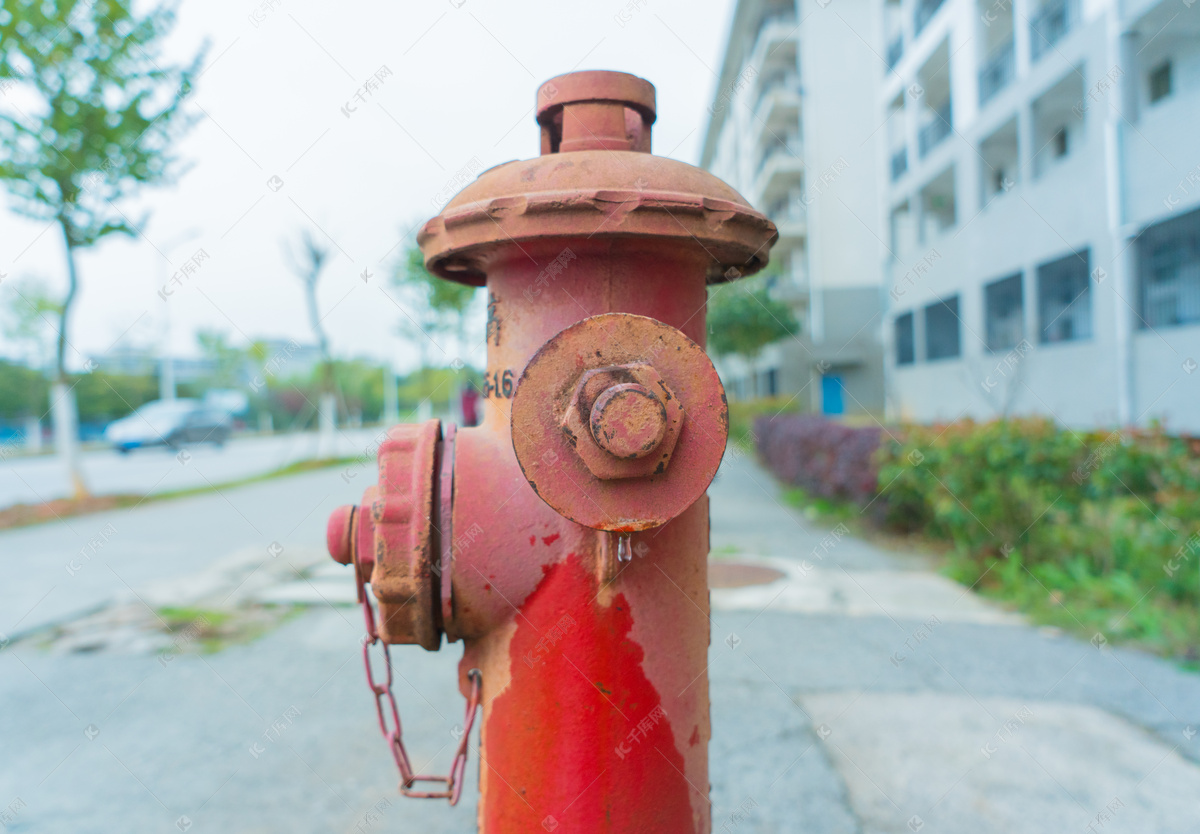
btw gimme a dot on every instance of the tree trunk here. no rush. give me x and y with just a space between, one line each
64 415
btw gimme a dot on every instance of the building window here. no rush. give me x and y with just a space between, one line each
1059 142
942 340
938 209
1169 272
906 340
772 381
1160 81
926 9
998 153
1004 311
1065 299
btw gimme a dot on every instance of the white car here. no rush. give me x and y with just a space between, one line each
169 423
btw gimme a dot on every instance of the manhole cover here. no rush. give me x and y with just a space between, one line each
725 574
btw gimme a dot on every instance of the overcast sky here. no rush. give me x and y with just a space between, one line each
463 74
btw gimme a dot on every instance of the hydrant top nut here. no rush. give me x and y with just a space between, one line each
628 421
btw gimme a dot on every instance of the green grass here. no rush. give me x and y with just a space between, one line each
214 629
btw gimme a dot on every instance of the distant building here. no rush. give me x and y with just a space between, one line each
789 128
1043 209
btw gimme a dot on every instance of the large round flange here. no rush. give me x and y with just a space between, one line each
561 459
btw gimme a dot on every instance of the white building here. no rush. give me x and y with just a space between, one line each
790 125
1042 202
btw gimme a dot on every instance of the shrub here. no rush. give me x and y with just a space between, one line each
1093 526
824 458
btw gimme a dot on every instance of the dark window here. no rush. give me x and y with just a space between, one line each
1160 81
906 340
926 9
1169 271
772 382
942 339
1005 313
1065 299
1059 142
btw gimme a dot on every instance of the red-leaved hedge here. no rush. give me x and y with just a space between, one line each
824 458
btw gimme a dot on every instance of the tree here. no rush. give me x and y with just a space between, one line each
228 361
104 110
743 319
442 305
29 319
307 258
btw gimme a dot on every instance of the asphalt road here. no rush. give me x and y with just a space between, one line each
35 479
859 693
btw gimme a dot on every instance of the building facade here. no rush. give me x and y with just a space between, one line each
790 127
1041 200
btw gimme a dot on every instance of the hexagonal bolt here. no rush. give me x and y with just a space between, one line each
623 421
628 421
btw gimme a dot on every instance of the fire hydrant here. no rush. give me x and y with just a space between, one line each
564 540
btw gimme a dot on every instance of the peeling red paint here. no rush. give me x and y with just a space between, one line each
555 705
695 739
532 540
551 539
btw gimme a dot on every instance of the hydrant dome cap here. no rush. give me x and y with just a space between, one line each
596 193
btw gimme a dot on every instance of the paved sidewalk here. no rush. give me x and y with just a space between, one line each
859 693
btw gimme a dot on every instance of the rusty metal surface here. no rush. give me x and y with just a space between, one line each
549 447
403 578
389 537
586 649
596 194
596 110
590 431
337 535
444 527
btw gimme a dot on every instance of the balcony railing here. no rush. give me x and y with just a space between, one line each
996 72
781 18
778 81
894 51
789 146
935 131
899 163
1047 27
926 9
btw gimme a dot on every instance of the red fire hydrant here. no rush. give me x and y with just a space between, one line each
564 540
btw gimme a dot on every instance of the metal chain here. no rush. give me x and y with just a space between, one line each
408 778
